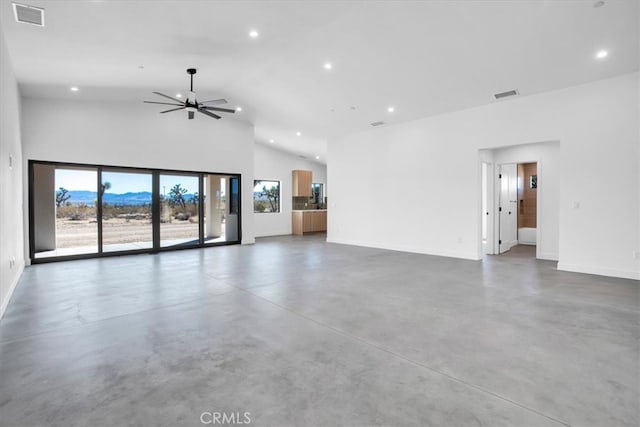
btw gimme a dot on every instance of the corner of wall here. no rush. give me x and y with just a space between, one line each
12 258
12 287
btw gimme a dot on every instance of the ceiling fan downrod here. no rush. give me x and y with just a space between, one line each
191 72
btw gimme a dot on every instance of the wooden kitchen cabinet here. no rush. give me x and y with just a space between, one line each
301 183
310 221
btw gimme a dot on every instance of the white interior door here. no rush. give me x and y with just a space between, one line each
508 236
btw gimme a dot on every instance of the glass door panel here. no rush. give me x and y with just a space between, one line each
127 220
216 214
179 208
64 210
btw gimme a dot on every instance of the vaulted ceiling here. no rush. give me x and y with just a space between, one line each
420 57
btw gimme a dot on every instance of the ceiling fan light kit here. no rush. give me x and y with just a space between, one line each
191 104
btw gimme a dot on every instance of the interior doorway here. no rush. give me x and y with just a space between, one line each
534 224
517 206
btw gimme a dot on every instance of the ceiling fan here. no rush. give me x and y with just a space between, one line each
191 104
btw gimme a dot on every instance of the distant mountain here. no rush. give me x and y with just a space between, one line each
141 198
89 198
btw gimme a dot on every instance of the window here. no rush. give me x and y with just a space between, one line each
266 196
234 202
83 211
317 193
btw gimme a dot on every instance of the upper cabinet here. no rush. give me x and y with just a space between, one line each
301 183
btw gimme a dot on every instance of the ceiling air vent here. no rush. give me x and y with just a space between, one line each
28 14
506 94
377 123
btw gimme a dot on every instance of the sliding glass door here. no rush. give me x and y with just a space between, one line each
64 210
220 216
127 219
80 211
179 210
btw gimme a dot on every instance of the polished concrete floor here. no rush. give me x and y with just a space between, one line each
296 331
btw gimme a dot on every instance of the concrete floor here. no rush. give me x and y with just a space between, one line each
296 331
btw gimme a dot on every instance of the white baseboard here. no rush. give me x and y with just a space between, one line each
274 234
12 288
600 271
549 256
404 248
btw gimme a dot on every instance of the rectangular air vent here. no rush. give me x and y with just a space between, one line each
28 14
506 94
377 123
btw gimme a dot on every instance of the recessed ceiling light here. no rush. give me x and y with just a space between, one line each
238 109
602 54
598 4
272 141
328 65
298 133
74 88
317 157
178 95
254 34
391 109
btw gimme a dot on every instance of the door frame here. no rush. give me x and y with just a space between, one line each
489 214
539 196
155 210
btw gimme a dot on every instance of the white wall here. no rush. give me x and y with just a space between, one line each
547 155
11 218
423 176
134 134
277 165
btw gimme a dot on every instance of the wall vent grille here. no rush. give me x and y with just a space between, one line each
506 94
377 123
28 14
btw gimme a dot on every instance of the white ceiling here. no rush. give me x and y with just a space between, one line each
423 57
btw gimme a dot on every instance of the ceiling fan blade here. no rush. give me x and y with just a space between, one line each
191 115
162 103
215 102
173 109
167 96
224 110
205 112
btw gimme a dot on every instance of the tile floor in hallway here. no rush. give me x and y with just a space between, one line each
296 331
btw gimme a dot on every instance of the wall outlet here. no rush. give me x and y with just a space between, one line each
636 254
459 239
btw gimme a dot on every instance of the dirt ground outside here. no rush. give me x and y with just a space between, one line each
84 232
